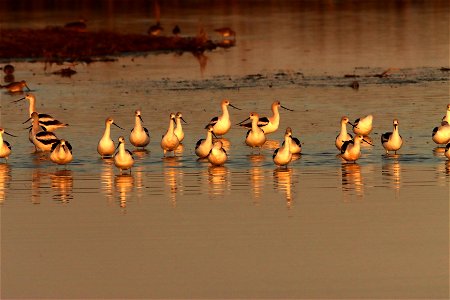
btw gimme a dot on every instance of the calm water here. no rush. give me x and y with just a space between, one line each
179 228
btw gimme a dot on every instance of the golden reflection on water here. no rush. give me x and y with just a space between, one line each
173 176
107 178
36 184
391 170
282 178
256 175
123 186
352 181
62 184
5 178
218 180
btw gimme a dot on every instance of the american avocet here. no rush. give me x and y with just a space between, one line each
42 140
105 146
5 147
15 87
392 141
351 150
255 136
222 124
447 114
61 152
155 30
363 126
170 141
179 129
343 136
296 146
45 121
447 150
204 146
139 136
269 124
123 159
226 32
441 134
282 156
217 156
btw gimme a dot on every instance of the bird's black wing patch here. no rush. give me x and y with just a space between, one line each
199 143
385 137
275 152
345 146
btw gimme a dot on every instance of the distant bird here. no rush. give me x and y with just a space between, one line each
123 159
15 87
204 146
255 136
343 136
217 156
179 129
392 141
105 146
5 147
447 150
155 30
8 69
226 32
79 25
363 126
61 152
269 124
351 150
441 134
42 140
296 146
222 124
170 141
447 114
139 137
176 30
47 122
283 155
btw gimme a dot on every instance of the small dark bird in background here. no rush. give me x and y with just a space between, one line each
176 30
9 73
79 25
155 30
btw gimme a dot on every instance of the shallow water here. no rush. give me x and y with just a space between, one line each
179 228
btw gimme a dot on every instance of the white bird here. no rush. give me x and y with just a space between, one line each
222 124
392 141
217 156
61 152
283 155
204 146
343 136
5 147
170 141
363 126
139 136
351 150
179 129
255 136
447 114
269 124
447 150
105 146
441 134
42 140
47 122
123 159
296 146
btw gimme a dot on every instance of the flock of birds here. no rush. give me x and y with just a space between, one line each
42 136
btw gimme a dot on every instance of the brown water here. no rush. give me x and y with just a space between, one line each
179 228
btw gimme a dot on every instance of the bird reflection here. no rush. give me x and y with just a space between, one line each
282 178
173 176
447 167
256 175
62 184
218 180
439 151
5 178
107 178
124 185
352 181
391 170
37 178
202 60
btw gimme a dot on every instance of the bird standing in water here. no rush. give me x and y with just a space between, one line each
139 136
217 156
179 129
61 152
123 159
105 146
170 141
392 141
283 155
5 147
